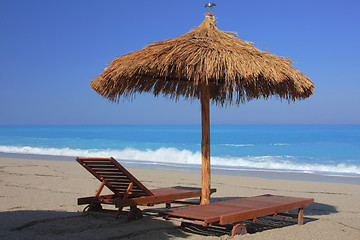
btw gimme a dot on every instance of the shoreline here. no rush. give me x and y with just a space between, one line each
38 200
272 174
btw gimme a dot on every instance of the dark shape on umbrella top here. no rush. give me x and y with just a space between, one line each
210 7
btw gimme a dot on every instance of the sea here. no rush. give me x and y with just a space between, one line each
329 153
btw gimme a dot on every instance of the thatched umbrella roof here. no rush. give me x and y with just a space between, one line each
235 70
206 64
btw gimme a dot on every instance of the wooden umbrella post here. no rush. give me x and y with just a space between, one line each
205 143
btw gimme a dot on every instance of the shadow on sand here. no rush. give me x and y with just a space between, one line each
72 225
75 225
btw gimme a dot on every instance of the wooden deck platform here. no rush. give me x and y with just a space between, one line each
241 209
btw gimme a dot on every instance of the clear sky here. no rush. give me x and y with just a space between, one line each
51 50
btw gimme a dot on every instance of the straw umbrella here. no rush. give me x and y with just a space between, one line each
205 64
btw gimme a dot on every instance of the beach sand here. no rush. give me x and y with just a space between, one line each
38 200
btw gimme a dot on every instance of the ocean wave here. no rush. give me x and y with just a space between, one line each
166 155
176 156
237 145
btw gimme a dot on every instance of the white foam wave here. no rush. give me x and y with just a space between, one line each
176 156
280 144
280 163
238 145
168 155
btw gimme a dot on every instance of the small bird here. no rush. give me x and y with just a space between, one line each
210 6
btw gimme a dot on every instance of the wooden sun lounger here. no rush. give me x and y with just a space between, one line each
237 210
127 190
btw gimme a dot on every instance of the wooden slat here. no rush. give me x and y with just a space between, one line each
115 185
99 164
116 171
103 167
176 190
208 213
109 174
277 199
173 193
250 203
119 176
117 180
260 212
241 209
115 174
137 191
134 191
95 159
88 200
131 177
121 189
95 164
93 172
113 171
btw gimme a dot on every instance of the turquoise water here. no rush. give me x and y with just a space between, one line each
318 149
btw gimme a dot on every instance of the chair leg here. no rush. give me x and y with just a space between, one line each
119 211
95 205
135 213
301 216
238 229
126 195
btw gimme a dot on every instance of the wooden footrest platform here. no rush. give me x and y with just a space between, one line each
241 209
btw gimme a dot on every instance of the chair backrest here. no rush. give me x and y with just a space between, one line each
114 176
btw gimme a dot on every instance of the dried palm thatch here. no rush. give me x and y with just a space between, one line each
234 70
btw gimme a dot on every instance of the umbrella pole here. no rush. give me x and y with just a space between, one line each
205 143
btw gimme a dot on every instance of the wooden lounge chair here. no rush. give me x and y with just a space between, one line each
127 190
237 210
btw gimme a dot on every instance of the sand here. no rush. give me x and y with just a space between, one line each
38 200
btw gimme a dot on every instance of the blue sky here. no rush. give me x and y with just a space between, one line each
51 50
